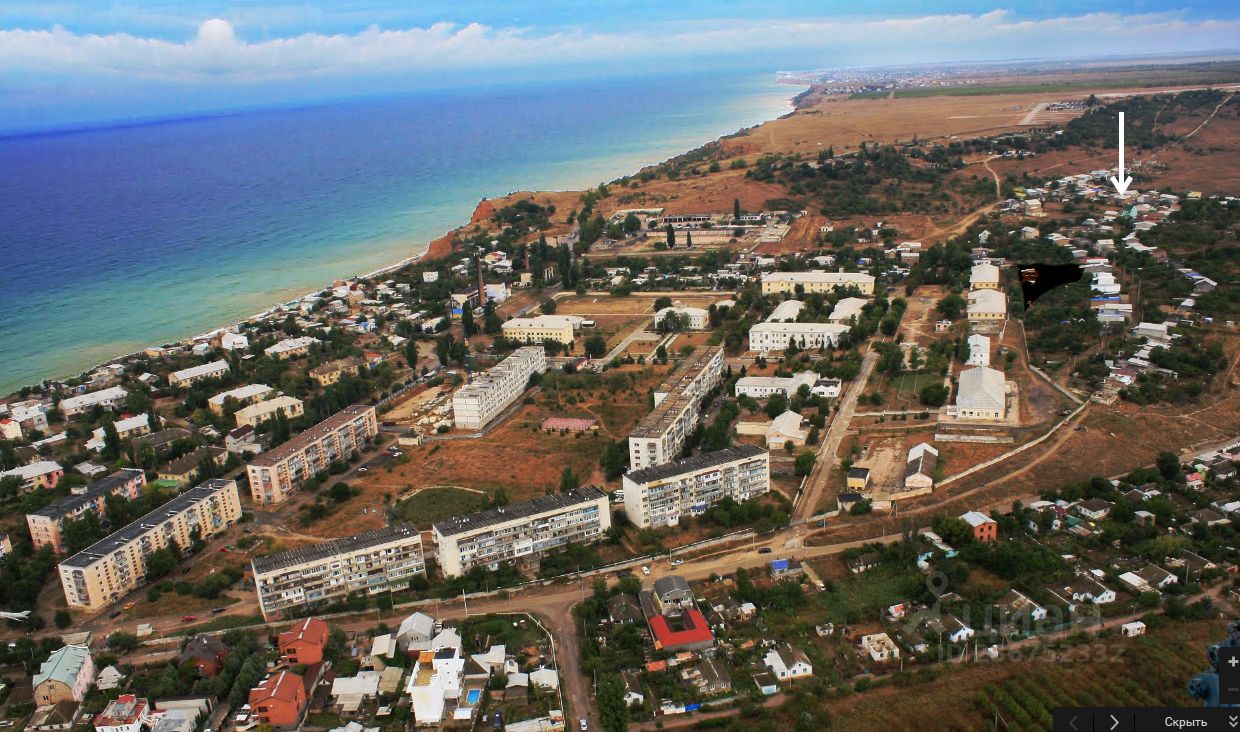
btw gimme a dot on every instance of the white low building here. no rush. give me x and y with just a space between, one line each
984 276
979 350
769 336
291 347
692 318
126 429
846 309
105 399
761 387
981 394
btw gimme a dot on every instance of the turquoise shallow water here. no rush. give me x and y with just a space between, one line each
114 239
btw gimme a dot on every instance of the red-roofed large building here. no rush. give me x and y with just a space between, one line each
304 642
687 631
279 700
126 713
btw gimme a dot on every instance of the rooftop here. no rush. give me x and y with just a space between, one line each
543 504
331 548
300 442
120 538
697 462
101 487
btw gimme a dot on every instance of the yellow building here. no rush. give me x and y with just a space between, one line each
117 565
984 276
774 283
330 372
987 305
540 329
278 472
260 412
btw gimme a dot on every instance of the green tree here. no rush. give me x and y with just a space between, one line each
805 463
569 480
467 321
63 619
951 307
671 236
613 712
547 306
596 346
1168 465
736 209
111 442
411 353
934 395
614 460
632 224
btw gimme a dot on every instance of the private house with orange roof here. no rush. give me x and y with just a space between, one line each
304 642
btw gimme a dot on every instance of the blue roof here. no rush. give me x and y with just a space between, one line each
779 564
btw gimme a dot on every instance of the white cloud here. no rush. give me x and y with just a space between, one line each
217 52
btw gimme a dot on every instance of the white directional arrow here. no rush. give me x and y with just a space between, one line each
1121 182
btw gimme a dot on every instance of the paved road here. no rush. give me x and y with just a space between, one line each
817 481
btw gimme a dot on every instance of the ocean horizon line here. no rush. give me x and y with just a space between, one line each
359 240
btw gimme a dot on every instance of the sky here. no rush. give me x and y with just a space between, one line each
75 62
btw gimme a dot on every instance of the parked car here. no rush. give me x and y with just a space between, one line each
585 726
116 614
188 618
677 562
217 610
645 569
765 550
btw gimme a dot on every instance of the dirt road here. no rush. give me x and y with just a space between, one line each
821 473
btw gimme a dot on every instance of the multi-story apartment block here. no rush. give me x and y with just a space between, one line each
47 523
774 283
245 396
108 569
776 336
105 398
660 495
374 561
185 377
527 529
259 412
540 329
660 436
275 474
477 403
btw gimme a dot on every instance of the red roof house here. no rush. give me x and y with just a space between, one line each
687 631
304 642
279 700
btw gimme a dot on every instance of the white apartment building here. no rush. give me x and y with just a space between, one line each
776 336
527 529
260 412
275 474
695 318
245 395
116 565
291 347
370 562
482 400
540 329
106 398
660 436
660 495
185 377
774 283
761 387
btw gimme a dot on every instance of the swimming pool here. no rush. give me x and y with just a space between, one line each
472 696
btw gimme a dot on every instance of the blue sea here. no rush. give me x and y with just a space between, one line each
112 239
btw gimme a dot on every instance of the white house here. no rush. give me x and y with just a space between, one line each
880 647
981 394
787 662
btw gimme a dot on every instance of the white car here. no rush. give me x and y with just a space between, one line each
677 562
645 569
584 725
